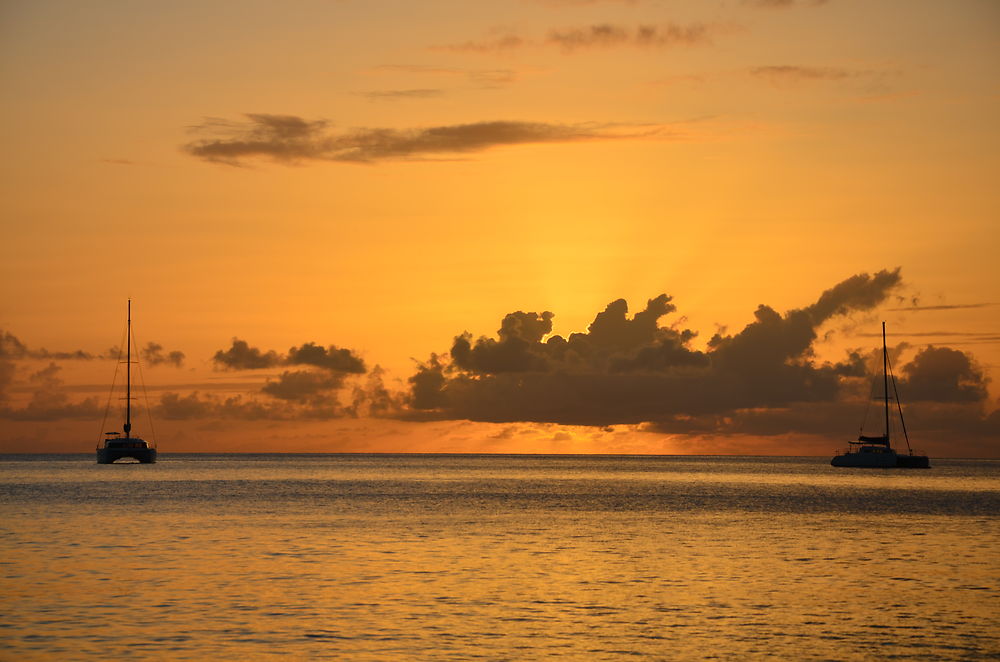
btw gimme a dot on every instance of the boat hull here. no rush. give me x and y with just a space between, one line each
110 455
882 460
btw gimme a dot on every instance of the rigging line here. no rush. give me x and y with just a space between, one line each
145 395
899 406
114 380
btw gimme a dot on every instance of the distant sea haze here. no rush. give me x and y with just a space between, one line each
387 557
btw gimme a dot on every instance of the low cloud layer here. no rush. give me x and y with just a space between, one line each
631 370
642 369
312 387
48 401
290 139
294 395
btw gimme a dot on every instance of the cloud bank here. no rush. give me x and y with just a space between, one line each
764 380
642 369
291 139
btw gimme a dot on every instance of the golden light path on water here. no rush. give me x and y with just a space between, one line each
500 557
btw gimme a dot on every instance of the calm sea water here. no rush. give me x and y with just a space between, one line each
498 557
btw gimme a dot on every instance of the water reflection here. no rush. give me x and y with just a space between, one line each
379 557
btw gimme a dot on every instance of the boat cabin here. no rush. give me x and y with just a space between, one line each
126 443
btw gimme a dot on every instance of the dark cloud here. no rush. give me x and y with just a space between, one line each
606 35
11 347
302 385
173 406
152 355
772 340
294 396
241 356
396 95
289 139
329 358
428 384
311 390
374 399
631 369
942 374
7 370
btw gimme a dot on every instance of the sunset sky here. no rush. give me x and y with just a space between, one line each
309 201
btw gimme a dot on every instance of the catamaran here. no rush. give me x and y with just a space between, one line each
114 446
877 452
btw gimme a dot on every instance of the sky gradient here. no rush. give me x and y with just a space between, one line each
424 219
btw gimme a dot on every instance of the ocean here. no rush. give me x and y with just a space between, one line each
497 557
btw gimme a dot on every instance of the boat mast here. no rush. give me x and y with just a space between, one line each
885 383
128 372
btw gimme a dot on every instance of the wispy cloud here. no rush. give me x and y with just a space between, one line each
289 139
594 36
581 3
496 43
606 35
396 95
869 83
957 306
482 78
783 4
785 73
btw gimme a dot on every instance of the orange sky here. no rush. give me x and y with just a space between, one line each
384 176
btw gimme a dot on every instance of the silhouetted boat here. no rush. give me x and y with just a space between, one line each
114 446
877 452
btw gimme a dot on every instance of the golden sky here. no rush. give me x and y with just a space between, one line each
380 177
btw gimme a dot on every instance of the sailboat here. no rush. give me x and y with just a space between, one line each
877 452
114 446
